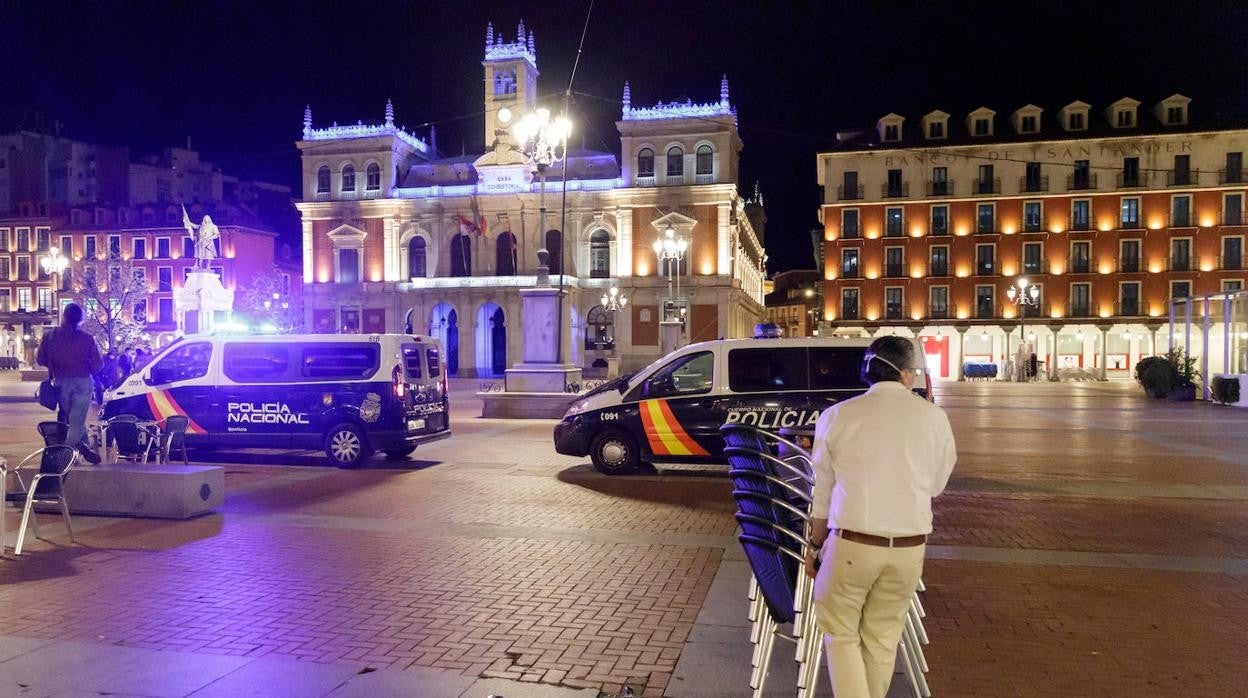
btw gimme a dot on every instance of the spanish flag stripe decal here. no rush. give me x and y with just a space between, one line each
163 406
664 433
691 446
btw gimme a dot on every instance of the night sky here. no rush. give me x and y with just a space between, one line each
234 76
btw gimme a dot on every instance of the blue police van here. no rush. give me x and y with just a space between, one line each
671 411
351 395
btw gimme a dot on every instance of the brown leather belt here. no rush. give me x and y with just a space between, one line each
881 541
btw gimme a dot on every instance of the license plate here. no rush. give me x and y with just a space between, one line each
415 424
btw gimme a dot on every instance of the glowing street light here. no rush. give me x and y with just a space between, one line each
671 248
1027 295
54 263
613 300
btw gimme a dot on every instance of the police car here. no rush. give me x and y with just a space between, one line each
351 395
671 411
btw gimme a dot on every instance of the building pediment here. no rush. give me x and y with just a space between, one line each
677 221
347 235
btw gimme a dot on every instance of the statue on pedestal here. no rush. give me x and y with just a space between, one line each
205 235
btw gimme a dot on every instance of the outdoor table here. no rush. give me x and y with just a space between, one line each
148 429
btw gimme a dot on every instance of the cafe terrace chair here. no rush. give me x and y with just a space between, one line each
172 435
43 487
132 441
53 433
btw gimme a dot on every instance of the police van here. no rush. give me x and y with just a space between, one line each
671 410
352 395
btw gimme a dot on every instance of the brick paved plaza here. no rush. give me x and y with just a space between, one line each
1091 543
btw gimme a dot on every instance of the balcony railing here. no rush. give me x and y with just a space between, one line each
986 268
1040 266
1080 266
1180 221
987 186
1182 178
938 312
1080 226
895 191
1232 218
674 179
1038 310
896 271
1129 265
939 270
937 232
1232 262
894 311
1132 180
850 234
850 194
1128 308
1080 181
944 188
985 311
1081 310
645 180
704 179
1179 263
1033 184
851 273
1226 176
849 312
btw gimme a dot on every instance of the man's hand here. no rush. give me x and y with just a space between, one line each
810 563
818 534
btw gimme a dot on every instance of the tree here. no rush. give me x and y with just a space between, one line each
110 292
265 300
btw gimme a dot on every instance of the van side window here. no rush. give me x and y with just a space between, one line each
687 375
411 361
836 367
346 361
184 363
255 363
435 369
767 369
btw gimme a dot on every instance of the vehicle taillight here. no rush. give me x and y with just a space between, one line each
397 381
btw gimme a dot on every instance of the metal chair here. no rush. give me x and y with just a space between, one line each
44 487
132 441
53 433
173 435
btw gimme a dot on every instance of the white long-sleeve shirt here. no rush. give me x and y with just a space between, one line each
880 458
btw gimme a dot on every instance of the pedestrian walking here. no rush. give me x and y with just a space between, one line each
879 459
72 359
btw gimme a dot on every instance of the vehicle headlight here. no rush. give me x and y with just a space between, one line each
577 408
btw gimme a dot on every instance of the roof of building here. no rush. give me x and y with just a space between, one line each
958 132
582 164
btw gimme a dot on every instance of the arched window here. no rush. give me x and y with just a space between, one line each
373 177
599 254
645 163
600 328
461 255
348 178
322 180
505 254
416 258
705 160
554 245
675 162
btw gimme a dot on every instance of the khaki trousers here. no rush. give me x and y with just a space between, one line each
862 593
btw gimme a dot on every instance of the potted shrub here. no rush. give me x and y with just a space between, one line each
1185 367
1157 376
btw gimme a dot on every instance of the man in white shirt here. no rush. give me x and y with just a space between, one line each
879 460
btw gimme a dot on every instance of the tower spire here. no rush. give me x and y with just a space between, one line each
307 120
628 98
489 35
520 33
531 49
389 113
723 90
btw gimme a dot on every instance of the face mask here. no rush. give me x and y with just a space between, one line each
866 362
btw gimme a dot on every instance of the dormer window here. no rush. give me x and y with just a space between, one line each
1026 119
1121 114
1172 111
935 125
983 127
1074 116
890 128
1077 122
979 122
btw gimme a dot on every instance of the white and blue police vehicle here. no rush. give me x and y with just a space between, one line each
671 411
351 395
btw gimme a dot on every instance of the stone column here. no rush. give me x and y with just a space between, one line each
623 242
670 332
961 352
389 241
1104 350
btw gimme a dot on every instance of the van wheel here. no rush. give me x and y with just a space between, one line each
400 453
346 446
614 453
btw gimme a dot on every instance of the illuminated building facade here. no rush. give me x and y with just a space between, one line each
1110 211
794 302
397 237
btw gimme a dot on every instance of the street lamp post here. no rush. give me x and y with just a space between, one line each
671 248
1025 296
544 142
614 301
54 263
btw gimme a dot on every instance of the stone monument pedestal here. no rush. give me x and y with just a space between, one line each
537 387
199 301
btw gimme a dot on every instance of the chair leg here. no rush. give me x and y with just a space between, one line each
909 669
69 524
919 630
27 513
185 460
